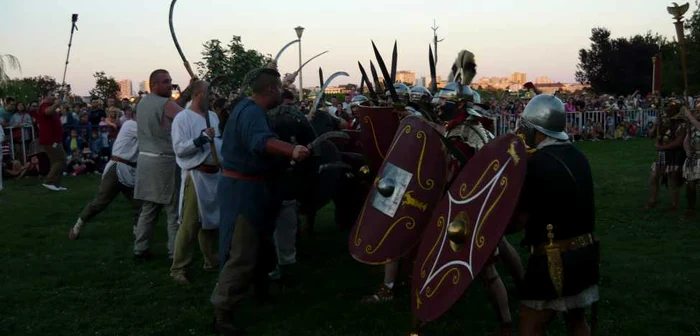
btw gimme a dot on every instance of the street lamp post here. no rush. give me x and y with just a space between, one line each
300 30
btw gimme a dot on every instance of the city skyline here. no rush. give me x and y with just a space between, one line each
535 43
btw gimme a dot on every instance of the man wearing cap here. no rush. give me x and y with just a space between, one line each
562 271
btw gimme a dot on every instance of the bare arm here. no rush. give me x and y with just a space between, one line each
52 109
693 121
172 109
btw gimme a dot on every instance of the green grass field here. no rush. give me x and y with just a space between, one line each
50 285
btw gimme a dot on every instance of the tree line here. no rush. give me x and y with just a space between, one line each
621 65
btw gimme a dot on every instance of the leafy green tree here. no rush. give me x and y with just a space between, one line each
29 89
225 67
105 86
618 66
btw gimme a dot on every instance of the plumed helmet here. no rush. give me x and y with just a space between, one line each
454 91
546 114
420 92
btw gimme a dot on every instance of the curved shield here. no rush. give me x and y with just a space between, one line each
467 225
409 184
379 124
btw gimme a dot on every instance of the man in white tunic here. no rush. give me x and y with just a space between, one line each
119 176
199 210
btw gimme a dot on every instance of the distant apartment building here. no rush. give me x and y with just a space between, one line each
124 88
438 79
543 80
518 78
421 81
407 77
144 86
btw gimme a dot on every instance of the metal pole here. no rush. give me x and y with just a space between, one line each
300 31
653 74
74 19
301 82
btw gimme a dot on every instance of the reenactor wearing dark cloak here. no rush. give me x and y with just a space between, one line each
563 267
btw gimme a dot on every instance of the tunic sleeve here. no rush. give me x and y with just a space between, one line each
183 143
255 130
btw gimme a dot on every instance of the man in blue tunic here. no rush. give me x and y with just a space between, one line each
249 204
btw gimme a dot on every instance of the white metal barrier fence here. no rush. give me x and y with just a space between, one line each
17 138
505 123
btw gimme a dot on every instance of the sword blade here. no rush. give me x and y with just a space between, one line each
372 93
385 73
323 88
394 59
320 76
433 75
375 78
327 136
362 85
284 48
311 59
177 44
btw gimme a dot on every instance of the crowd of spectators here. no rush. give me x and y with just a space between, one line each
88 134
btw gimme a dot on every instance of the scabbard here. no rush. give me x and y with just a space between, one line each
555 265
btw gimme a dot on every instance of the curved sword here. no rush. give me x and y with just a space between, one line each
279 53
294 74
212 147
177 44
323 88
310 59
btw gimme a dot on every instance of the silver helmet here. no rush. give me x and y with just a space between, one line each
419 93
545 114
456 91
357 100
402 90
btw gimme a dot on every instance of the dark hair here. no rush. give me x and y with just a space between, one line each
262 79
10 100
154 74
287 95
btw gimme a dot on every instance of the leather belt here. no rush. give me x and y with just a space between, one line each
118 159
207 169
240 176
565 244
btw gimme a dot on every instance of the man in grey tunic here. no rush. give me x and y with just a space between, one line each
157 175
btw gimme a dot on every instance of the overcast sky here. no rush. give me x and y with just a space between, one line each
129 38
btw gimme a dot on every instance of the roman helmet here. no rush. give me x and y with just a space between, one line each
457 91
403 91
544 114
420 93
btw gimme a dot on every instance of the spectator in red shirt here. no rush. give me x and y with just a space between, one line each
50 134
